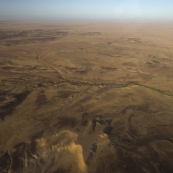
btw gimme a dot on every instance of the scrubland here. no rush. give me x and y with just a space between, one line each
86 97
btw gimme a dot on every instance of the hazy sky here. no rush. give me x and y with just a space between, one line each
86 9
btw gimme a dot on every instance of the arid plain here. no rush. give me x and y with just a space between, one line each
86 97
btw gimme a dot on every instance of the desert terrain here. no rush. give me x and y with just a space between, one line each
86 97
